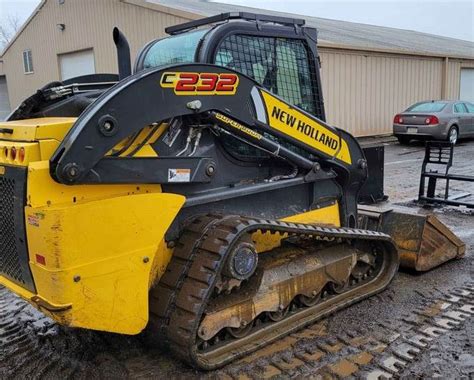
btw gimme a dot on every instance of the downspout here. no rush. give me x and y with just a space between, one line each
444 78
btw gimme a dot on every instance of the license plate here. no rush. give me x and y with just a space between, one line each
412 130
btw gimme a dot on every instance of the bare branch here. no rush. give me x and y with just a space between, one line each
8 27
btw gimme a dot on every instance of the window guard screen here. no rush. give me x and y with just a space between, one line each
280 65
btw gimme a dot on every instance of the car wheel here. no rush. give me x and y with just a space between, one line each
403 140
453 135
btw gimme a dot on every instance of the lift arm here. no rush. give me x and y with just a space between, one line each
200 91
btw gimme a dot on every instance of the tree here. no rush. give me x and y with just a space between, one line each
8 27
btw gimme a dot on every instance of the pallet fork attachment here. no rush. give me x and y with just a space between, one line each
441 154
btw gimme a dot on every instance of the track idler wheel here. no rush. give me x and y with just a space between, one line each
309 301
240 332
242 262
335 288
278 315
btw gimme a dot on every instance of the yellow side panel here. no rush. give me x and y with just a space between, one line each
47 147
291 122
324 216
43 190
37 129
97 258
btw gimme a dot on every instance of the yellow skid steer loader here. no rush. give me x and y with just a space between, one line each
202 195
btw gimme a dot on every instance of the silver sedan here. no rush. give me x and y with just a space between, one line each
437 120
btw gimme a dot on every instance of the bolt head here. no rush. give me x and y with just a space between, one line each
210 170
195 105
146 259
71 171
77 278
363 164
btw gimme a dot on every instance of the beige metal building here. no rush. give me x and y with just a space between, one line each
369 73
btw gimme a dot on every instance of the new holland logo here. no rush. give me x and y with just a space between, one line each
305 129
185 83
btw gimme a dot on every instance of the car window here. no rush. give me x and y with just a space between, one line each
470 107
427 107
460 108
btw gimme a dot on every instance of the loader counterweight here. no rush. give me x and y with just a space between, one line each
69 250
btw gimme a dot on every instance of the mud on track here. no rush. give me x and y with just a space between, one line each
422 325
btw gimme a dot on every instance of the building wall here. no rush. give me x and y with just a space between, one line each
89 24
454 76
362 90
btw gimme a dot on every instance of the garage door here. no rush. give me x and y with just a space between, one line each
4 102
76 63
467 85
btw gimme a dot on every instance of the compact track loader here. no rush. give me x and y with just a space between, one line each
203 196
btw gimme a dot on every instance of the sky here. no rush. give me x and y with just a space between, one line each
453 18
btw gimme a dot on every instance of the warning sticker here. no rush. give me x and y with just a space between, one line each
34 219
179 175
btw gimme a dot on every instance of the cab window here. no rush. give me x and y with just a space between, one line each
280 65
174 49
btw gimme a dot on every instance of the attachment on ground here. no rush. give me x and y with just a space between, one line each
423 241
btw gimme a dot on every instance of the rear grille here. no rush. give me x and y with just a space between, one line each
9 259
13 250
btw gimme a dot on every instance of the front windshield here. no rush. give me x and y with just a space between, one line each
174 49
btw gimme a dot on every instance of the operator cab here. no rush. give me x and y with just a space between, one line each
279 53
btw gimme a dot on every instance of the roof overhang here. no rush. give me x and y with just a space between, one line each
194 16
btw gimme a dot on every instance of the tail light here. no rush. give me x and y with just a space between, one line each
431 120
13 153
398 119
5 152
21 154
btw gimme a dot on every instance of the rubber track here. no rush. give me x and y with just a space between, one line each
180 298
163 295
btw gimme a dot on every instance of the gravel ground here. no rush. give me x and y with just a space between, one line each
420 327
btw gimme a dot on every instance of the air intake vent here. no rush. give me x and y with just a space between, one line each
9 259
13 251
